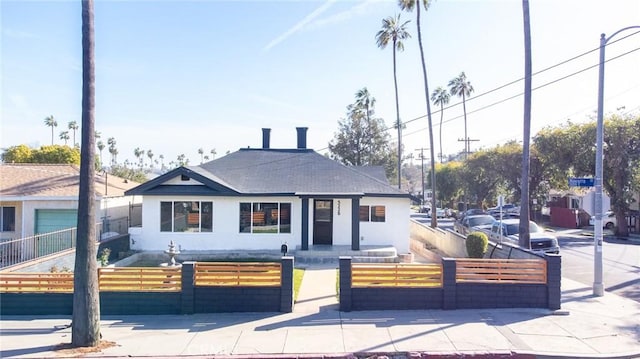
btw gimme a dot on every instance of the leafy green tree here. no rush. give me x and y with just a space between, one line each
73 126
17 154
133 174
85 327
408 5
449 182
361 139
395 32
440 96
51 122
479 178
56 154
569 151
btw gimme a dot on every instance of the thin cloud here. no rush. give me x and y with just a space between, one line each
297 27
356 10
18 34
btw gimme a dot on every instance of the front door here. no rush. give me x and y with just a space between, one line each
323 222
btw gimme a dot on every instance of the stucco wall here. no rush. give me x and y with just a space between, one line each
226 236
226 225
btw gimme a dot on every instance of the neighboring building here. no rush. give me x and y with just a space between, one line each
41 198
261 198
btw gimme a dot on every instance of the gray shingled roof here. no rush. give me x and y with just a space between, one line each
264 171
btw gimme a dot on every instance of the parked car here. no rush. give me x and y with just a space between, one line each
469 212
508 210
467 224
608 220
508 231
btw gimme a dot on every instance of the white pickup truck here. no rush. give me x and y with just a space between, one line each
540 240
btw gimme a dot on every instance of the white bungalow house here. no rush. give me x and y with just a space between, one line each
42 198
261 198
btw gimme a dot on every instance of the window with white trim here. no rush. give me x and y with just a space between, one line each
372 213
8 219
265 217
186 216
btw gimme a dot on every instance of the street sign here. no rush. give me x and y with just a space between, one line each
581 182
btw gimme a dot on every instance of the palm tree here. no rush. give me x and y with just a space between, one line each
150 155
523 228
201 152
64 135
213 153
393 31
85 328
139 153
51 122
161 157
367 103
73 126
112 149
440 96
459 86
100 148
408 5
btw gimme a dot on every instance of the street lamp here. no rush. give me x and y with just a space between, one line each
598 285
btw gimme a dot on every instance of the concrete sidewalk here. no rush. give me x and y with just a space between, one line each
587 326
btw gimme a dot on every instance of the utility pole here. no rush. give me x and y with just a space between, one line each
467 149
422 169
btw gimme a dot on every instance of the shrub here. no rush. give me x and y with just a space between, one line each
476 243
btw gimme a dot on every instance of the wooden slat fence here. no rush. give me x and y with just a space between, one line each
365 275
532 271
237 274
16 282
140 279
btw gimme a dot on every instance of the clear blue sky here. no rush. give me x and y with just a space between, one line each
175 76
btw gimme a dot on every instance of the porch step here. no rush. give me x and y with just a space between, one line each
331 254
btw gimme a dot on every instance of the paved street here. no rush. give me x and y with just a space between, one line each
621 261
621 258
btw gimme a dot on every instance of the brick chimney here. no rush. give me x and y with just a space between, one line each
302 137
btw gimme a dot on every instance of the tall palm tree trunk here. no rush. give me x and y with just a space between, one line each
395 84
441 116
434 218
466 144
523 229
86 296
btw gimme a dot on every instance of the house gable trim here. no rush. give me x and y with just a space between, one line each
157 186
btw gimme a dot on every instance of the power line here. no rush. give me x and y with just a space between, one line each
521 93
514 82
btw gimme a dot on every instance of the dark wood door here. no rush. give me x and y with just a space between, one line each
323 222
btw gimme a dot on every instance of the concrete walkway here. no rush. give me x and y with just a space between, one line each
588 327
